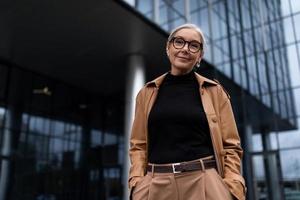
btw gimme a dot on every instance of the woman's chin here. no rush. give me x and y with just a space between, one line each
183 67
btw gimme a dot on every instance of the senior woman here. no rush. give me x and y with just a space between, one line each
184 143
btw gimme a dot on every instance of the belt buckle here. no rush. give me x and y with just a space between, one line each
173 167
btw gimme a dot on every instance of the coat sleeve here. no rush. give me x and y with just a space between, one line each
137 150
232 149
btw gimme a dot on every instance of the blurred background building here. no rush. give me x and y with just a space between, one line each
70 70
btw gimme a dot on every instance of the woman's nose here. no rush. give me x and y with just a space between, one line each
186 46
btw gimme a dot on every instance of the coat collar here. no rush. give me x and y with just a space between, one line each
201 80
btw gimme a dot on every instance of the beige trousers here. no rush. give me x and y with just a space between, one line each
195 185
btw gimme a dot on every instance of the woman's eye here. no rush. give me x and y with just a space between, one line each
179 41
195 45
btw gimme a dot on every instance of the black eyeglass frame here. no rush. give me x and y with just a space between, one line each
189 44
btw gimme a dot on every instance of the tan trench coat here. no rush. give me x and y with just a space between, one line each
223 131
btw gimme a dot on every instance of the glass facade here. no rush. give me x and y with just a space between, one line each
256 45
245 41
57 141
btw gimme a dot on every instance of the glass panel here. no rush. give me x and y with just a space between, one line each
207 52
288 30
288 139
57 128
96 138
259 177
110 139
218 17
273 141
297 28
237 75
144 6
257 143
294 65
203 22
296 93
283 104
295 5
290 162
245 14
244 78
227 69
178 7
218 55
163 13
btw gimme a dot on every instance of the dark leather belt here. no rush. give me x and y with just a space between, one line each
182 167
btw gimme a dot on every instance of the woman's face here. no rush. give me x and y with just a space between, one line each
183 60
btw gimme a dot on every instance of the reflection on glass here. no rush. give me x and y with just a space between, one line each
290 139
2 112
96 138
257 143
290 162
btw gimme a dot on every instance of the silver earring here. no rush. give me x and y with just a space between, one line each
198 64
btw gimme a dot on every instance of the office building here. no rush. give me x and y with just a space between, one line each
69 73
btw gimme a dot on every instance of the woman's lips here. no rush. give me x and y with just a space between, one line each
184 58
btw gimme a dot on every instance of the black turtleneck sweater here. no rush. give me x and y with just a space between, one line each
177 127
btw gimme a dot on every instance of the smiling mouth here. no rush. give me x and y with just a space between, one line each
183 58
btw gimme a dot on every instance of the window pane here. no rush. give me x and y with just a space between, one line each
257 142
289 138
294 65
295 5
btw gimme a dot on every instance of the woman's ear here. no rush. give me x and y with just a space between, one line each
167 49
200 57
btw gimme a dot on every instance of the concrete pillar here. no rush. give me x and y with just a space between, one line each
272 169
135 80
248 164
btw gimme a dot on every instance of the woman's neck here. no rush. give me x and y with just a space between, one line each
179 72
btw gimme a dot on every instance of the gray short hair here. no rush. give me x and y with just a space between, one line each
189 26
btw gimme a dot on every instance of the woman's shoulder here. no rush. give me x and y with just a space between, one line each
222 88
150 86
156 82
213 85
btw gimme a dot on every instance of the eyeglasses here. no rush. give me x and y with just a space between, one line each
193 46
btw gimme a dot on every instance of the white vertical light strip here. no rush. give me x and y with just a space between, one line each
135 80
187 11
156 11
